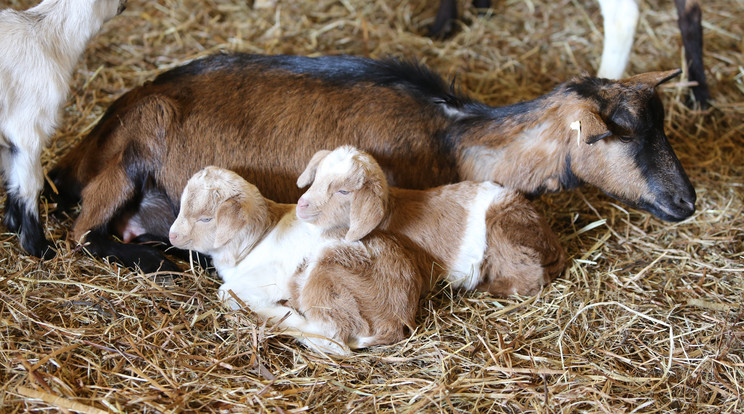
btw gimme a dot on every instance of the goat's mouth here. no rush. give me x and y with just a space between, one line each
183 245
673 209
305 215
179 242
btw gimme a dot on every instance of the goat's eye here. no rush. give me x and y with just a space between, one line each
204 219
343 192
625 138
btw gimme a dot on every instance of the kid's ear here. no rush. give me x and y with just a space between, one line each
367 212
308 176
229 218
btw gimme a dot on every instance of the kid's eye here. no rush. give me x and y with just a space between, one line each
343 192
204 219
625 138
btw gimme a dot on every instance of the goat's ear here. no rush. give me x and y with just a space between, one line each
593 128
228 218
369 205
308 176
654 79
367 212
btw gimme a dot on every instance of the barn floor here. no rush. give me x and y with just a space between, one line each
648 316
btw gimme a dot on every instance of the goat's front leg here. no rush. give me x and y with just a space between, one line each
313 334
23 177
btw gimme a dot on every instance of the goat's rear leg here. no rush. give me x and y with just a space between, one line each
146 258
102 200
523 254
23 182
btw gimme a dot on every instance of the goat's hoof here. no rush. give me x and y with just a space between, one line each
48 252
42 249
441 31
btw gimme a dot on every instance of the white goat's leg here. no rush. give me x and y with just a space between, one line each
620 19
22 172
314 335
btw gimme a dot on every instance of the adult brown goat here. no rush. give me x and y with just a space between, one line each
264 116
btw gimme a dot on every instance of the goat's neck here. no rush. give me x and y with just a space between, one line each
523 146
64 29
244 244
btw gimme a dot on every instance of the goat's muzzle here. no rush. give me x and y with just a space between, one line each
675 206
302 206
175 238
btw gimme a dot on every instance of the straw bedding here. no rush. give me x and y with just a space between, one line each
648 316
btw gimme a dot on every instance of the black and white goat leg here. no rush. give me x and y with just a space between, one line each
691 27
22 173
39 49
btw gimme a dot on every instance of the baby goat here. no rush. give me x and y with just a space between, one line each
354 293
484 236
265 116
39 48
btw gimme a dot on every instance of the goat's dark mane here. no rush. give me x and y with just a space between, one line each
409 75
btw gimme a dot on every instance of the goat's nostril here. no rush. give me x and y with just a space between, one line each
302 203
686 203
173 237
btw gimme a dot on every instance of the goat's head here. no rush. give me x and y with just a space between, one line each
622 149
349 190
219 210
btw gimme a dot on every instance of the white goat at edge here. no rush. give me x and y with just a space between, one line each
39 48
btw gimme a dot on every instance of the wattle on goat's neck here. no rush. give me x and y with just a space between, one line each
528 151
